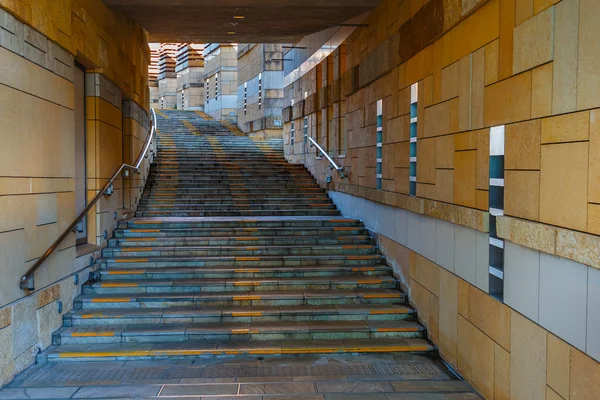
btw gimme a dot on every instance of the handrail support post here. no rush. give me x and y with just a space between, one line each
27 283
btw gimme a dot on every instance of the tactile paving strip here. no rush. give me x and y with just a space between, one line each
230 371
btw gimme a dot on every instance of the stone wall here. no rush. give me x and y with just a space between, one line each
487 126
220 81
260 90
40 42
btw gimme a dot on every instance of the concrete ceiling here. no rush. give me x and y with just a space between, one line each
266 21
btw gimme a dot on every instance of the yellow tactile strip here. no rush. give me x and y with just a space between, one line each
285 347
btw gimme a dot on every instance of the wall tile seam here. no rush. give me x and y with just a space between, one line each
404 281
413 304
425 203
557 232
37 292
55 71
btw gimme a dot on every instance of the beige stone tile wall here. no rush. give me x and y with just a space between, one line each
27 325
39 43
502 353
255 59
529 65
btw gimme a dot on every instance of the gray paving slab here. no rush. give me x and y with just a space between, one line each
215 389
430 386
98 392
278 388
354 387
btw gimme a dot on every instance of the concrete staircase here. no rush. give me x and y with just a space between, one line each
233 251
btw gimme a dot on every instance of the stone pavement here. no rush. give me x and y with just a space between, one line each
318 377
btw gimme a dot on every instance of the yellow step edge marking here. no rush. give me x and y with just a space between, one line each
382 296
376 349
128 272
89 316
115 285
246 283
144 231
121 260
143 239
247 238
246 271
246 297
368 281
93 334
244 331
79 354
313 351
136 248
340 220
112 300
363 269
247 314
250 229
253 248
265 351
247 259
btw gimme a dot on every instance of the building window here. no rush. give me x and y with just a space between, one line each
293 135
245 97
305 129
379 143
162 103
207 91
216 85
260 93
183 99
414 95
496 208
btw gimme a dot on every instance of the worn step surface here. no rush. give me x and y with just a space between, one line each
235 252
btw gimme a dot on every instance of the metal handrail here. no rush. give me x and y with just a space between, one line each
333 164
27 280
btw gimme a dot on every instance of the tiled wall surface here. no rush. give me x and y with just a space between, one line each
38 41
220 70
527 68
260 81
495 346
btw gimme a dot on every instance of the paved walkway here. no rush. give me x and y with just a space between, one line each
379 377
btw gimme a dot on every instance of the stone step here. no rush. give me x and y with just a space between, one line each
149 351
243 223
237 250
152 241
245 197
237 272
256 184
155 206
241 213
231 200
176 315
242 261
267 298
234 232
233 191
262 284
238 331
